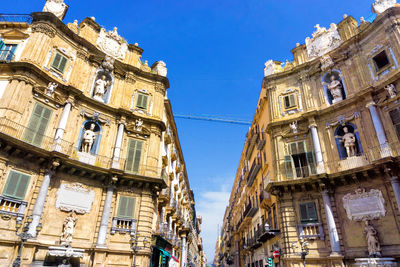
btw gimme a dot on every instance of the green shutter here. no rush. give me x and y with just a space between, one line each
37 125
311 162
293 148
126 207
301 148
134 155
303 212
308 212
141 101
288 167
16 185
59 62
292 100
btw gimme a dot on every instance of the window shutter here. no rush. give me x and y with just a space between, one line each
63 63
37 125
292 100
17 184
303 212
301 147
1 44
288 167
126 207
287 102
142 101
144 104
312 212
311 162
56 61
59 62
293 149
134 155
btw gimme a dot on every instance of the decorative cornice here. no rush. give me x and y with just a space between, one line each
44 28
82 54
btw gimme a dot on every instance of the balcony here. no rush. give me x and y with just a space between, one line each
123 225
255 168
165 195
168 136
260 143
6 56
12 207
264 234
265 198
16 18
311 231
251 141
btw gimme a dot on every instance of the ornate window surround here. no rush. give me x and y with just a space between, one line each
68 54
294 109
393 64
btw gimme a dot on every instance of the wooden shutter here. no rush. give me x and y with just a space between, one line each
308 212
288 167
142 101
292 100
37 125
59 62
134 155
311 162
16 185
126 207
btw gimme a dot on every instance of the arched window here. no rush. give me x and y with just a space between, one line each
341 145
334 87
94 148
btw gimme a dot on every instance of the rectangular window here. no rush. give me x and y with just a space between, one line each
290 101
126 207
16 185
395 116
134 155
59 62
7 51
381 61
141 101
37 125
300 160
308 212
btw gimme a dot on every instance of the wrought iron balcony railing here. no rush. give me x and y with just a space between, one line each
16 18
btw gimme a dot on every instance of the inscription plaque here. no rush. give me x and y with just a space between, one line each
74 197
364 205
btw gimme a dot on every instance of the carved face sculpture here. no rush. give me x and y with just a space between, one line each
333 78
92 126
345 130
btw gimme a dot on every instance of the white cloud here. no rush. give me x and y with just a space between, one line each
211 206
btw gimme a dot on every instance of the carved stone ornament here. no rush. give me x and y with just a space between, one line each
57 7
65 252
139 125
95 116
391 90
74 197
363 206
160 68
380 6
51 88
293 127
112 44
323 41
342 119
68 229
44 28
326 62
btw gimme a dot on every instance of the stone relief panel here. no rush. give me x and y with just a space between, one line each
112 44
323 41
363 206
74 197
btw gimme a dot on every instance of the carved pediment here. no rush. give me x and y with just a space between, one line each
136 128
323 41
112 43
14 34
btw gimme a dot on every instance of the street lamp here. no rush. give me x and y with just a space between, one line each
24 236
305 249
135 247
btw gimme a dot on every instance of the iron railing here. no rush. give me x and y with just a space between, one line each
16 18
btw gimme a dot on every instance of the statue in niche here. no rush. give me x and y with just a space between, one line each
374 248
335 88
293 127
88 138
391 89
100 88
68 229
139 125
349 142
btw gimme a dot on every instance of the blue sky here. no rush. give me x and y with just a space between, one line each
215 52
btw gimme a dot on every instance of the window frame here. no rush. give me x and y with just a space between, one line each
137 100
130 139
384 68
308 221
287 96
118 214
63 56
35 131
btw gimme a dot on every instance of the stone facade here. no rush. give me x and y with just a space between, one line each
332 143
84 125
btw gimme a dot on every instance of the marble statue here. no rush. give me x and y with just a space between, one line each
68 229
51 87
293 127
391 89
349 141
100 88
381 6
57 7
88 138
335 88
374 248
139 124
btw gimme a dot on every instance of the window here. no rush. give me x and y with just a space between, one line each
59 62
290 101
395 116
141 101
134 155
16 185
300 160
37 125
381 61
7 51
308 212
126 207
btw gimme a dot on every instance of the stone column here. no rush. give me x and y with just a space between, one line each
105 217
61 125
39 204
333 235
317 149
118 144
380 133
396 189
183 253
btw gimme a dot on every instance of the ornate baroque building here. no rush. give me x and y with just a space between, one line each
331 122
90 160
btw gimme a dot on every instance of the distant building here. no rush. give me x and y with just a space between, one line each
91 169
328 165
